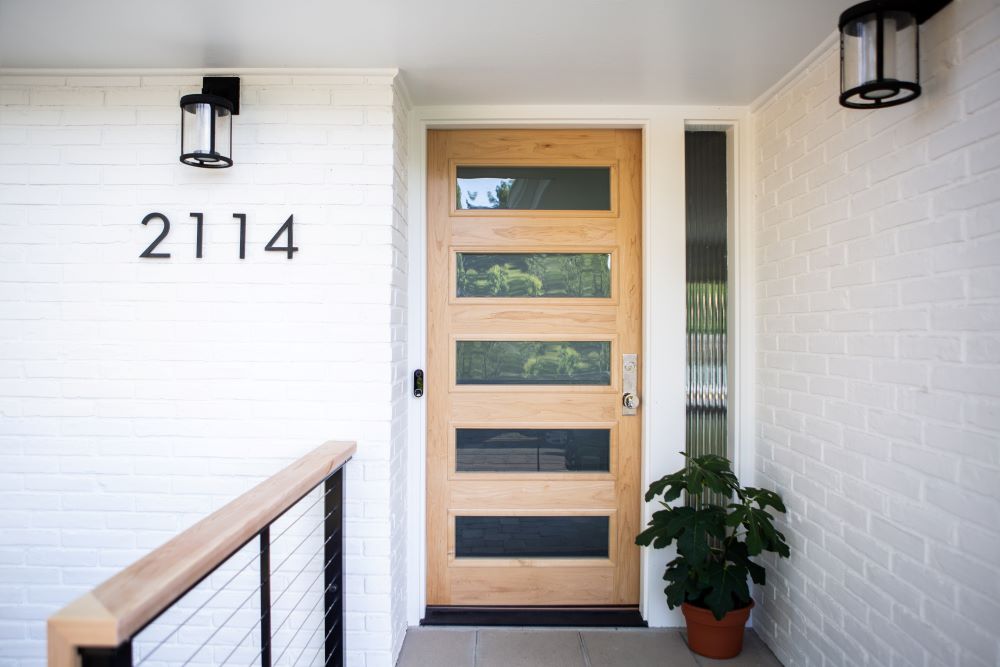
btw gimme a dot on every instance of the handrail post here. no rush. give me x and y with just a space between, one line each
265 597
333 576
121 656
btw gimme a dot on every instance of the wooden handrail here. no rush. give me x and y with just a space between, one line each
121 606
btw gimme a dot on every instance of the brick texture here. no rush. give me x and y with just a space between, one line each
136 395
878 330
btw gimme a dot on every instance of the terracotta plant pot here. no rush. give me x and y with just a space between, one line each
715 639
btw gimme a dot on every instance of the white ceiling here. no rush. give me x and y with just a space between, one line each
450 51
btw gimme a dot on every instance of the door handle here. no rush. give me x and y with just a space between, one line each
630 390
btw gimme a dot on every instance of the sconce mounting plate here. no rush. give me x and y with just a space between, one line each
924 9
223 86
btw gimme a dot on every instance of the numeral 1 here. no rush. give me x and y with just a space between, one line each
242 217
199 220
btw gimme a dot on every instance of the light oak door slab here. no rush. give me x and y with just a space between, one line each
533 489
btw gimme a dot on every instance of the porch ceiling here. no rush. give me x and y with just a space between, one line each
451 51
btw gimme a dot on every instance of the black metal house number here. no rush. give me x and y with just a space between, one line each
287 229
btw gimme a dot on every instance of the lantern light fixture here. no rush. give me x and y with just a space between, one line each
207 123
880 51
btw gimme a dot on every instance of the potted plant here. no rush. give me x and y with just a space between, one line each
715 544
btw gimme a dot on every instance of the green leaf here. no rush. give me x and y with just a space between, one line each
757 573
656 534
677 574
780 546
736 515
765 498
712 472
684 584
693 528
729 589
738 553
760 532
755 543
670 486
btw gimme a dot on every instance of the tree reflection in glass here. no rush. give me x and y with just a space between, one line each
533 362
559 275
570 188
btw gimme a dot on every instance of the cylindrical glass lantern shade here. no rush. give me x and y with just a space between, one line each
878 56
206 131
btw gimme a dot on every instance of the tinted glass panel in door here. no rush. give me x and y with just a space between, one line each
532 449
531 536
534 188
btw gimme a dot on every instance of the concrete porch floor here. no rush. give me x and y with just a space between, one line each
565 647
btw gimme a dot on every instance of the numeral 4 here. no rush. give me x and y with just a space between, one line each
289 248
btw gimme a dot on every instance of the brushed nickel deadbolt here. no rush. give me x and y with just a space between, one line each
630 392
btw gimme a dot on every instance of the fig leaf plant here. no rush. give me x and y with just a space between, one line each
715 542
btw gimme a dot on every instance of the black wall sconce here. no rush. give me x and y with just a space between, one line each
880 51
207 123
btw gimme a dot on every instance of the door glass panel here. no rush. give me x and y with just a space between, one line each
532 450
533 188
580 275
531 536
510 362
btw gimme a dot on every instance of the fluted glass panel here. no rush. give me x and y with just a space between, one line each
707 382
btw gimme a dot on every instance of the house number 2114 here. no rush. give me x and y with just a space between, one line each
199 218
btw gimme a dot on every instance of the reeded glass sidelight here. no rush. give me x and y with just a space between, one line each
707 196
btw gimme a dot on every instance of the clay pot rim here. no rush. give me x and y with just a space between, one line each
691 605
735 617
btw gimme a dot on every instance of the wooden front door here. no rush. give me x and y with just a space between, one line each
534 298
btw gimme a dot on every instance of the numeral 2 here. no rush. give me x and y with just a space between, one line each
148 252
289 248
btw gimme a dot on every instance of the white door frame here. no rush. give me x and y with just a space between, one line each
664 297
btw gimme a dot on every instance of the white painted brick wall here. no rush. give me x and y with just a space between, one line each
402 382
878 294
138 394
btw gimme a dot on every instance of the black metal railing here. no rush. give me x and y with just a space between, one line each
168 642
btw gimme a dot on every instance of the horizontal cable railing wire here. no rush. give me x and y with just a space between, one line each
263 613
220 610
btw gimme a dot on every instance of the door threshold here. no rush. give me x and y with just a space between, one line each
570 616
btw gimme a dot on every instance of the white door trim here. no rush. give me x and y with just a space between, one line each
664 295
